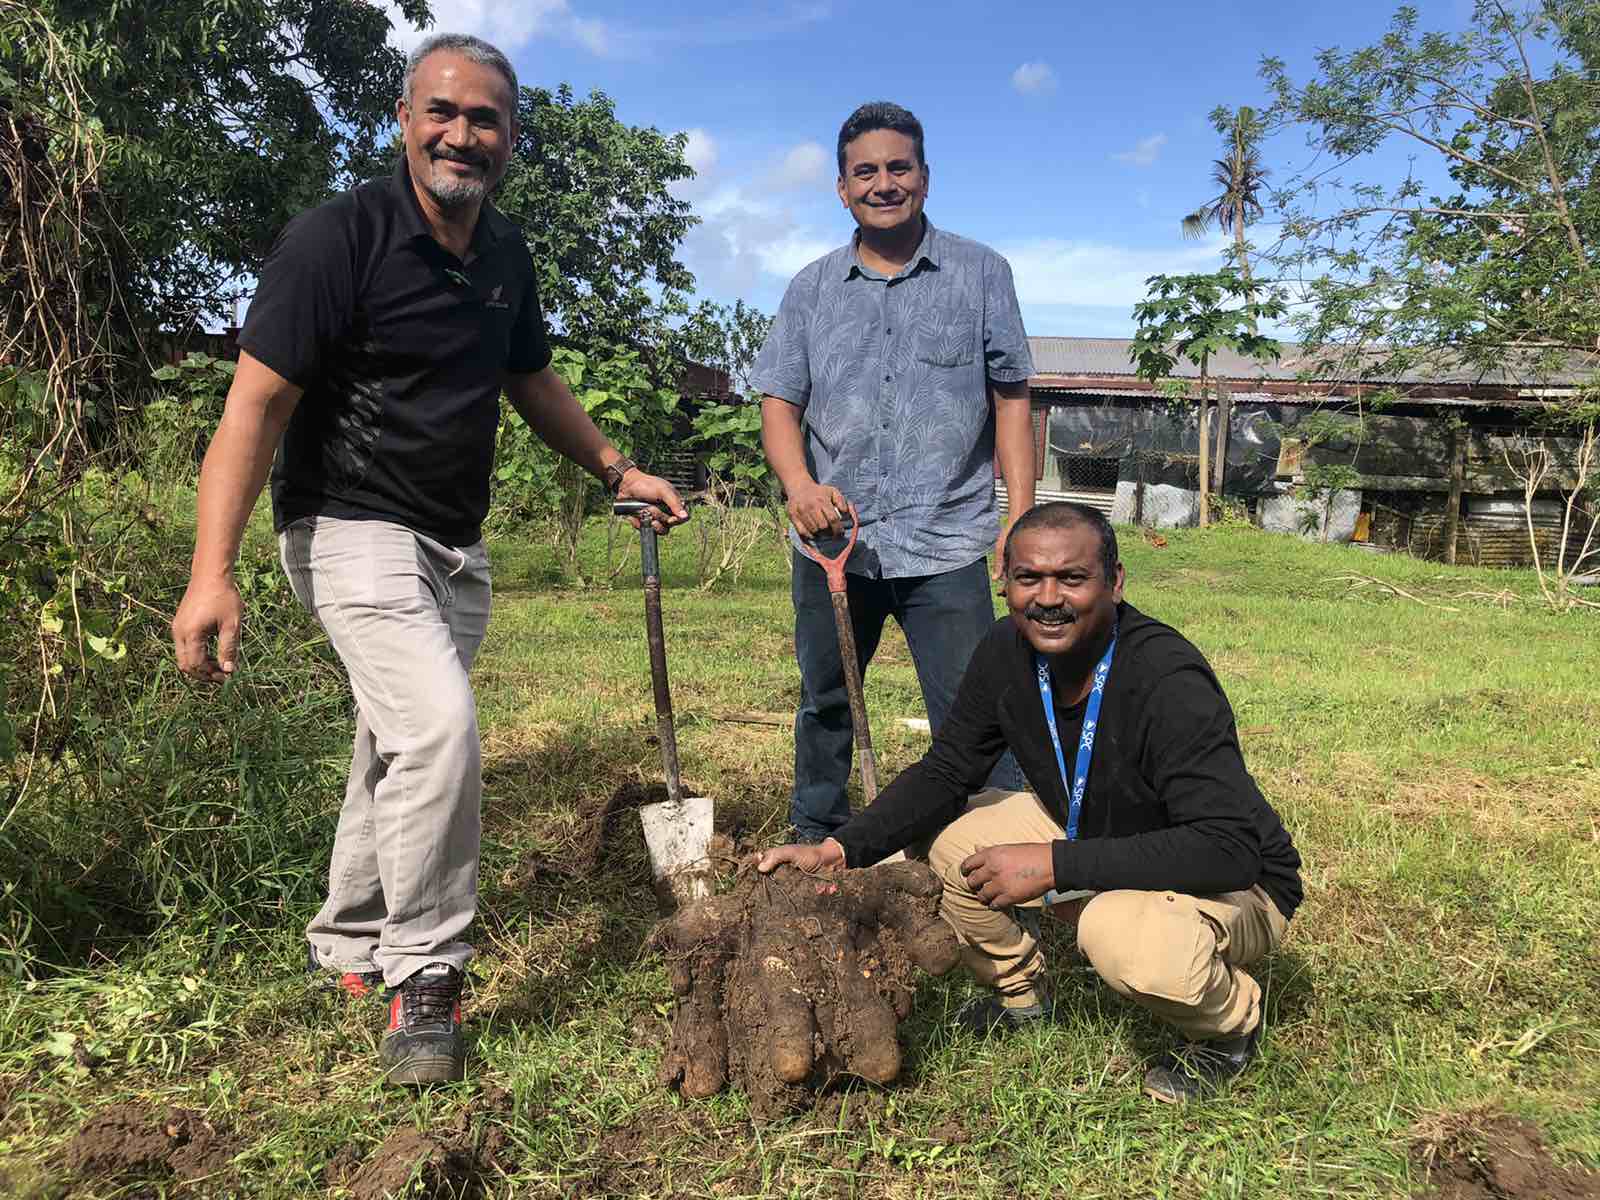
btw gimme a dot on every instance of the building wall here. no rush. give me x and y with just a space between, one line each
1401 462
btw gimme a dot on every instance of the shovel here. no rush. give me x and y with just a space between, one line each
837 585
677 831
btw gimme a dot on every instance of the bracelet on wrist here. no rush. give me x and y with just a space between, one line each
613 474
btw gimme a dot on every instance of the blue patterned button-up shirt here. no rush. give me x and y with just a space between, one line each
893 376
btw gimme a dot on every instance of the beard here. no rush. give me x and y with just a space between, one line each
454 191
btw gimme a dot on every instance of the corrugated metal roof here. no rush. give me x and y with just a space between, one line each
1110 356
1315 399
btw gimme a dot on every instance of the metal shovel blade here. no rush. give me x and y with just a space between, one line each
678 835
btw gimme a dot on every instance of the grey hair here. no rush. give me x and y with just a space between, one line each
464 44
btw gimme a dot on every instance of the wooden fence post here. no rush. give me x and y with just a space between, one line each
1458 474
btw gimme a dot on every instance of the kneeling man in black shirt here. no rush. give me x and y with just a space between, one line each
1141 806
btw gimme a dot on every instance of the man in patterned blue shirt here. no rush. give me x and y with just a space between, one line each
896 371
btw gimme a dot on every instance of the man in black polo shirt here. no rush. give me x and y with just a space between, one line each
1141 804
386 325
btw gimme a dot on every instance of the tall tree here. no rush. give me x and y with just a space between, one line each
1194 317
1482 253
1479 249
1240 176
151 153
593 196
728 339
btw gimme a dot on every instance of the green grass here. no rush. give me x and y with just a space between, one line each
1437 768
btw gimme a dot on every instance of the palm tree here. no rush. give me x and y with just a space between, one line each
1241 177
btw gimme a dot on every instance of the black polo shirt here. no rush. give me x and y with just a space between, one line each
403 351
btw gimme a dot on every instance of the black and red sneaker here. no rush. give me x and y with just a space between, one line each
423 1043
362 985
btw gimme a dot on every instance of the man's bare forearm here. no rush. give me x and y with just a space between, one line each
257 410
547 404
784 444
1013 439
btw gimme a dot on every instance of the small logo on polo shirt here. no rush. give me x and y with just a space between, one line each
494 300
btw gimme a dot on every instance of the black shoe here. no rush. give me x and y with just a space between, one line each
424 1043
986 1015
1199 1069
362 985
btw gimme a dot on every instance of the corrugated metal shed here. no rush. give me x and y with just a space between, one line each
1293 399
1111 356
1096 498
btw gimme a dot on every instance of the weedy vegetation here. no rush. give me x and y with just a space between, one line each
1429 742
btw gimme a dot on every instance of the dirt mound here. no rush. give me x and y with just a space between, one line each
790 981
420 1164
130 1142
1486 1156
453 1162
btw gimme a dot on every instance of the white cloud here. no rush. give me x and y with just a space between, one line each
508 24
594 36
512 24
744 243
805 165
1052 271
1034 78
1145 152
700 152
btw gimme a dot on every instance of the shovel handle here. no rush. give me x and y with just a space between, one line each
834 566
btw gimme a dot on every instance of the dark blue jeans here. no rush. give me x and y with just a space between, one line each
944 618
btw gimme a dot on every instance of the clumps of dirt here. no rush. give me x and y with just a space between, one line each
951 1132
1492 1156
600 844
127 1142
421 1164
625 1160
851 1111
790 981
452 1162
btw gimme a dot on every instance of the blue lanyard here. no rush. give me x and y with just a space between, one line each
1091 720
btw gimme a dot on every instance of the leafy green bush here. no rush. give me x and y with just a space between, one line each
179 422
729 436
533 484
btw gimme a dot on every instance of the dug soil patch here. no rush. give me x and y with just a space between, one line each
420 1164
1497 1157
130 1142
608 845
452 1162
791 981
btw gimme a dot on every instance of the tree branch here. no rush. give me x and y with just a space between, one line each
1558 188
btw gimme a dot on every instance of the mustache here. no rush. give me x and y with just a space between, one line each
471 160
1038 612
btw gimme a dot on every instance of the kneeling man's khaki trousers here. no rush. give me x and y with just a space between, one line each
1180 956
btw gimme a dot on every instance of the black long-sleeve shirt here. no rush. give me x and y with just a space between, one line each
1169 804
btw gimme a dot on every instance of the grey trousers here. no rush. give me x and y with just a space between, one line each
406 615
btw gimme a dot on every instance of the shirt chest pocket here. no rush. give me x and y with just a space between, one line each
946 339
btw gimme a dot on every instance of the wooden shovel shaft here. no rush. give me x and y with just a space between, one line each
858 703
658 660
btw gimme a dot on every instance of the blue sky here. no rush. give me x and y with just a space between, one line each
1072 138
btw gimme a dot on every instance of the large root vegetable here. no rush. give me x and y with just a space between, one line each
791 980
